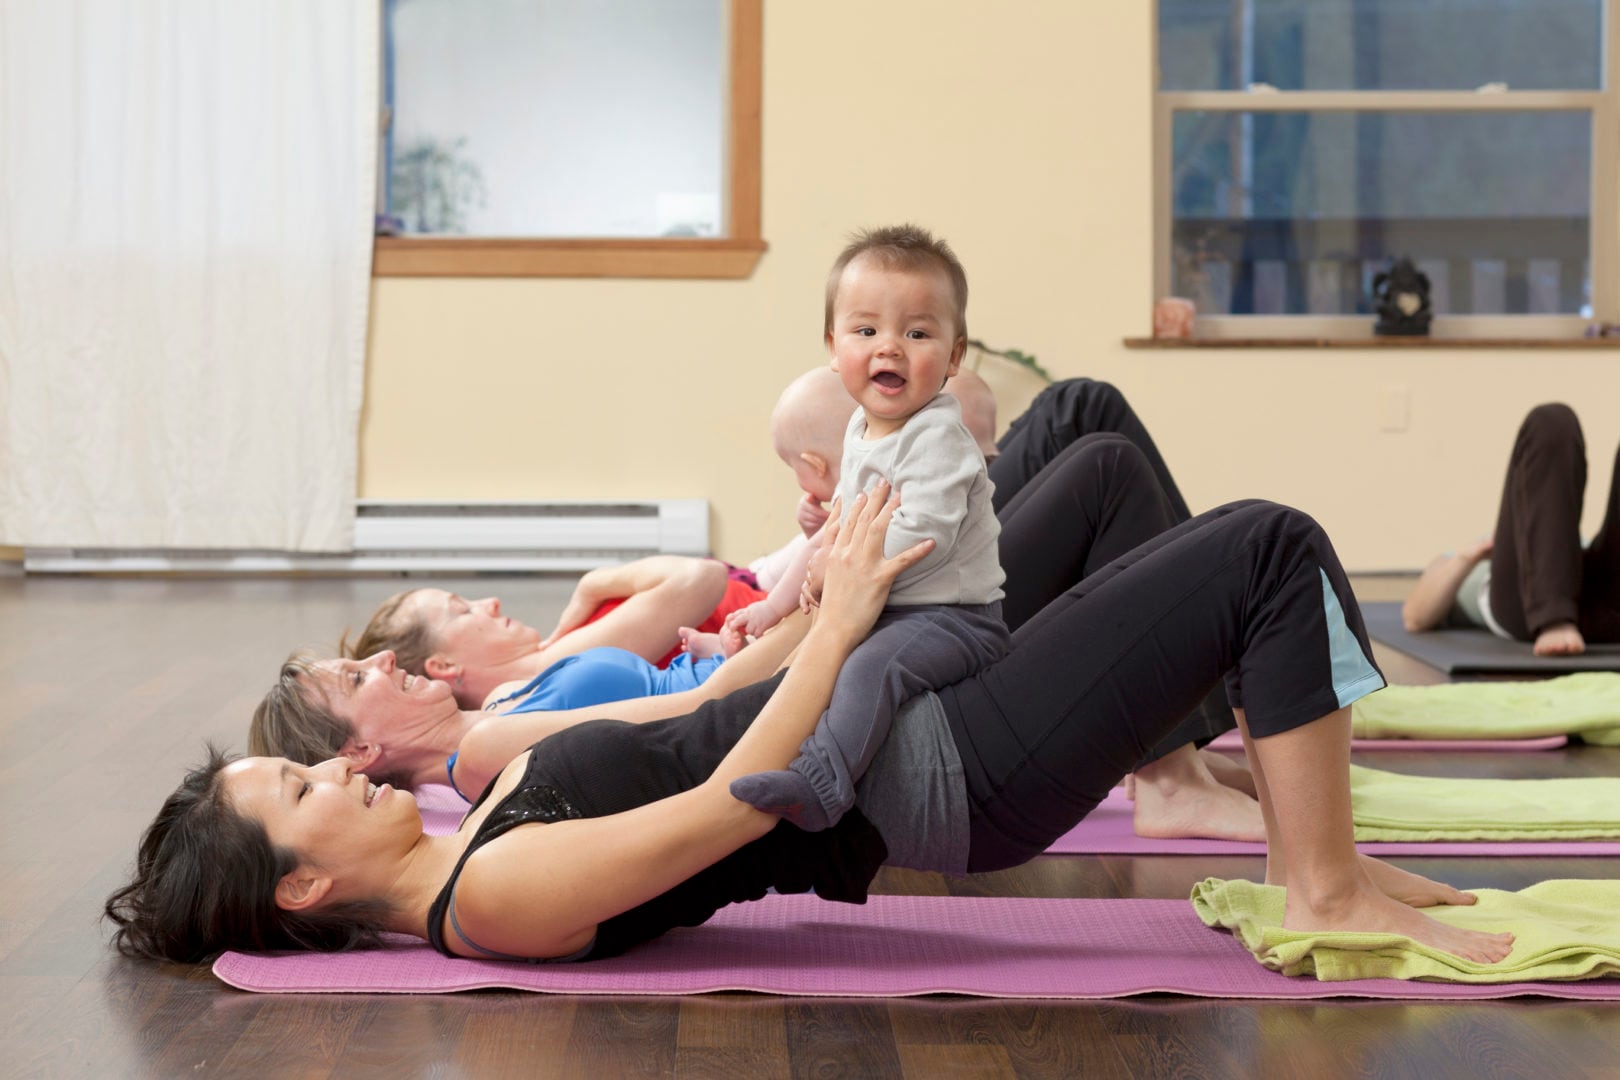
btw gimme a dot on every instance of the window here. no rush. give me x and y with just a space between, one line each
1303 145
588 138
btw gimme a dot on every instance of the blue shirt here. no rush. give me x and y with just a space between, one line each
604 674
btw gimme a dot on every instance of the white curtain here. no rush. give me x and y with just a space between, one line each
186 200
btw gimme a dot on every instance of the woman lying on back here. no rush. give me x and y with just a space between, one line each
483 654
408 731
608 834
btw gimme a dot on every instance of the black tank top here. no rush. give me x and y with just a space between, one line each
607 766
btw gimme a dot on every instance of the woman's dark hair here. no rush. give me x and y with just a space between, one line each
205 881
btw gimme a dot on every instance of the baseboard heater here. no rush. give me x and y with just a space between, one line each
438 537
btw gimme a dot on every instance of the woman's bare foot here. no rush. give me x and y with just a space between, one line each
1413 890
1177 797
701 646
1229 771
1364 909
1560 639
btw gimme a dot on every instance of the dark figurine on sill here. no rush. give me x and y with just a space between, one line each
1401 298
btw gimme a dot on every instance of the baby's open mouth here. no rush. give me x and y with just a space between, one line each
889 380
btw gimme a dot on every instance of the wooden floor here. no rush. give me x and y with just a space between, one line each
110 685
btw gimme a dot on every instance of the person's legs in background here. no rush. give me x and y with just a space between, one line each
1536 560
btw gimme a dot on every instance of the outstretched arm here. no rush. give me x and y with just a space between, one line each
761 615
1436 588
492 743
768 569
542 891
661 593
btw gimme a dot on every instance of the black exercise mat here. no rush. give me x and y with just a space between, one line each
1467 651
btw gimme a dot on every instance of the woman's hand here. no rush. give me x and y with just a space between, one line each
810 592
857 576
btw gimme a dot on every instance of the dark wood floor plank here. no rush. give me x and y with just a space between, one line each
733 1020
490 1034
829 1039
1048 1038
629 1037
969 1062
298 1034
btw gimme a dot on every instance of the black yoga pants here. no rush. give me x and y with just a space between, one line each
1252 591
1094 501
1060 415
1539 574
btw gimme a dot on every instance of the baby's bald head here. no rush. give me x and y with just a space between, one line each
978 403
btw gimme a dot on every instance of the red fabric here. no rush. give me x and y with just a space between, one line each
737 595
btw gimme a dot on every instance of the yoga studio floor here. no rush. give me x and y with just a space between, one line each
110 686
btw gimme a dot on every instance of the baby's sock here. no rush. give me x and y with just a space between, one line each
785 793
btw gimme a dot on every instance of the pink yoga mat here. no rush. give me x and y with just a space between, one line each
1231 740
1107 830
441 808
893 946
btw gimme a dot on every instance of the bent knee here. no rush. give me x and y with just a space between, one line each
1273 518
1552 422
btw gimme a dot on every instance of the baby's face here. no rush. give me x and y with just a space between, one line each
893 341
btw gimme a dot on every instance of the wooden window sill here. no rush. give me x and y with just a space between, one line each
409 256
1371 343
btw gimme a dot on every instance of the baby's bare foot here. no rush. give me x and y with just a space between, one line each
1367 910
1208 809
700 645
1560 639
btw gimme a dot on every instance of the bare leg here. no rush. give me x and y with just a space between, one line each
1560 639
701 646
1303 777
1178 796
1234 774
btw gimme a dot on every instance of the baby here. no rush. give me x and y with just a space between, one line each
807 433
895 327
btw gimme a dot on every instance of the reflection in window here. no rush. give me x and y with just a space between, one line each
1286 213
1380 44
555 118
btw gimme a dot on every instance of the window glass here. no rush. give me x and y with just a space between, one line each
1294 212
556 118
1380 44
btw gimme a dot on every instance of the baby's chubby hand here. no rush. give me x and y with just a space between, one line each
750 621
811 514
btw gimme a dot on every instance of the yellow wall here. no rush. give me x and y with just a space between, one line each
1022 134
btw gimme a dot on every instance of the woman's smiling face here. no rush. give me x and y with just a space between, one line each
328 815
375 695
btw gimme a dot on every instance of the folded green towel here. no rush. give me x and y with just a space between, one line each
1587 704
1392 806
1562 930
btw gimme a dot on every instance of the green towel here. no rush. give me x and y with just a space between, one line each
1391 806
1562 930
1587 704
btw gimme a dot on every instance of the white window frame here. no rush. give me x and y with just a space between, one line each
1603 105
